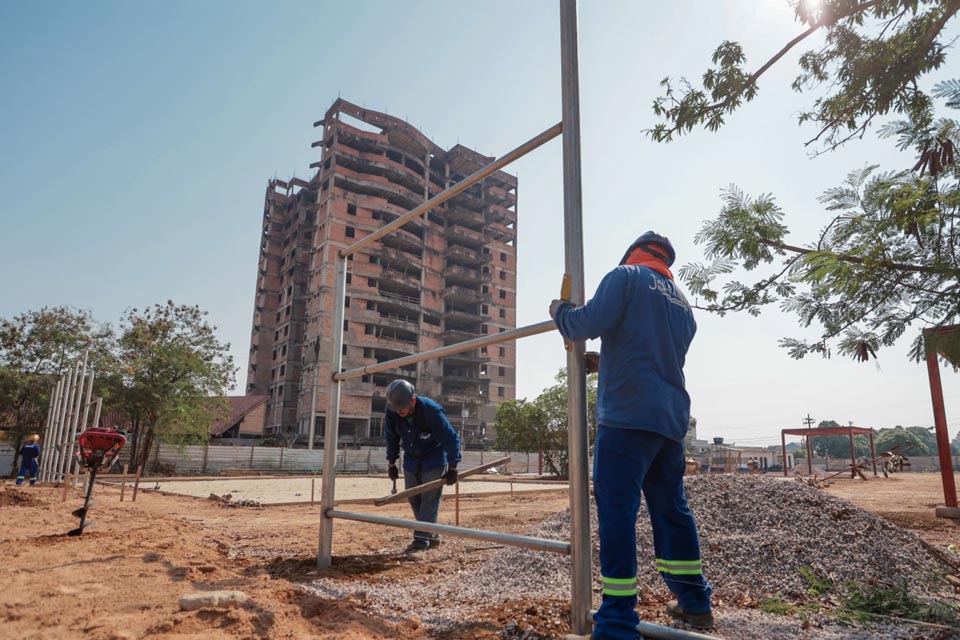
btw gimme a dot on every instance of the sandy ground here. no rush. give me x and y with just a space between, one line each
906 499
348 488
124 577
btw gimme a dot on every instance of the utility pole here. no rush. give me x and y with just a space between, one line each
808 421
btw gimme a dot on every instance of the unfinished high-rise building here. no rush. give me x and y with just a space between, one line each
447 277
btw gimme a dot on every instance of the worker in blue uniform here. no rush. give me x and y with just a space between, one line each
645 326
431 450
29 460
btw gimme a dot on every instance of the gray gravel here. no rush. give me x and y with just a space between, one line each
756 533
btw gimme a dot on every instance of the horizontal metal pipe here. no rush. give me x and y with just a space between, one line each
438 483
450 192
449 350
660 632
526 542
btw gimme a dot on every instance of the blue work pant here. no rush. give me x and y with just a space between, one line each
425 505
626 463
28 469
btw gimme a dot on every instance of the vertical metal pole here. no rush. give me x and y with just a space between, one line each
940 421
324 553
809 456
82 426
580 547
312 431
71 428
64 417
51 426
873 454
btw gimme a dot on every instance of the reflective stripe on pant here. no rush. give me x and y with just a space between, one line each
626 463
425 505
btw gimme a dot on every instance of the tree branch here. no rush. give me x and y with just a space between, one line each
752 79
890 265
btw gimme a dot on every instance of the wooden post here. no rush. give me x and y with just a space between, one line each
853 456
66 485
313 482
123 483
809 456
783 444
206 450
281 457
873 453
136 484
940 423
456 509
250 465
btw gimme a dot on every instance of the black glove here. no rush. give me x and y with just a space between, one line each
393 473
451 475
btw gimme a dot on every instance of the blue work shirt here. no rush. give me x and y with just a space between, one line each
645 326
30 452
426 436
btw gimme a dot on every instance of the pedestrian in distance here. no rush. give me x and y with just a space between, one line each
419 428
645 326
29 460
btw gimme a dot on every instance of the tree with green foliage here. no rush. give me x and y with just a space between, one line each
36 348
888 256
541 425
839 446
955 446
171 376
923 439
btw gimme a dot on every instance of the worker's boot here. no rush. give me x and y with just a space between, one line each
433 542
418 546
698 620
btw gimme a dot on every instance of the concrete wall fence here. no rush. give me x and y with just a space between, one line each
215 459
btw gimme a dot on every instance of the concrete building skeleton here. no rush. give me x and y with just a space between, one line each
448 277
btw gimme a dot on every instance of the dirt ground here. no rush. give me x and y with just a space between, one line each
124 577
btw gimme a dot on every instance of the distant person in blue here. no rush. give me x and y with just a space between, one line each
29 460
431 450
645 326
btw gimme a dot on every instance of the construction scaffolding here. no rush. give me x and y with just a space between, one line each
579 547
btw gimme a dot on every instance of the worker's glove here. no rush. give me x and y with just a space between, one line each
592 361
451 475
393 473
555 306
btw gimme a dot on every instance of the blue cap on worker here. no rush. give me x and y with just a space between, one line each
650 242
399 393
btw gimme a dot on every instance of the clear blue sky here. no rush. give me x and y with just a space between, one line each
137 139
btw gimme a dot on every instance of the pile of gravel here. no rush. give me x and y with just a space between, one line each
760 537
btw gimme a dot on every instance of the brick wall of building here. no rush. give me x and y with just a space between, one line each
448 277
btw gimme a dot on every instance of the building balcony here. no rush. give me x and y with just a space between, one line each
466 295
455 336
463 216
496 213
459 275
465 318
463 255
464 236
467 357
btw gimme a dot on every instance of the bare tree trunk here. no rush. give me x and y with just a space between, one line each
145 449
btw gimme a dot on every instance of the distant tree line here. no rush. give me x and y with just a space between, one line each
162 370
